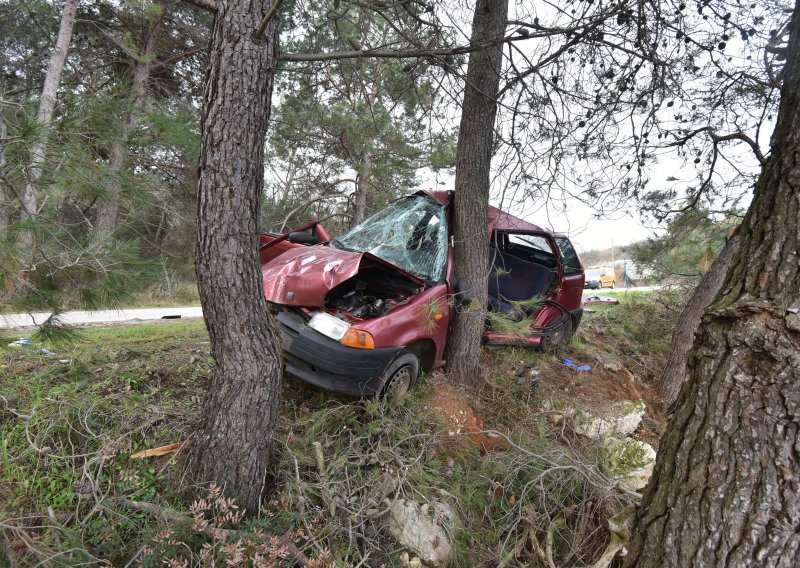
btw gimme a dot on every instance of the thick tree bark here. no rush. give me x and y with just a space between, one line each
689 319
234 444
108 207
725 489
47 104
473 164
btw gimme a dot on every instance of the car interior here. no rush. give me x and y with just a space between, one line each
523 267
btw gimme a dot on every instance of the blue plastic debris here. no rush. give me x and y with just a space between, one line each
46 352
578 368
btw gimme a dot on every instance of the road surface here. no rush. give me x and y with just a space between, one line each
8 321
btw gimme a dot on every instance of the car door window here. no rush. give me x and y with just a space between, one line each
569 258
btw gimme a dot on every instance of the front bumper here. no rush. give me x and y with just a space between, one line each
327 364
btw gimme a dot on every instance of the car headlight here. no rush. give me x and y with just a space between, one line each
329 325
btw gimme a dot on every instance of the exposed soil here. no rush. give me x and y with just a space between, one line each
449 406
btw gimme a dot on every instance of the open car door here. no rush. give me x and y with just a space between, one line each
524 280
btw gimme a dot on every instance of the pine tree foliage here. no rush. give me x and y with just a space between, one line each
154 189
357 127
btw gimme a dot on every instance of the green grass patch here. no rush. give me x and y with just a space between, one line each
78 416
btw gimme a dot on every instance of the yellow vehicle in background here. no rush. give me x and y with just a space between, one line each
597 278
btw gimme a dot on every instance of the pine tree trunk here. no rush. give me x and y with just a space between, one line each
725 489
47 104
234 444
473 164
3 205
362 188
108 208
689 319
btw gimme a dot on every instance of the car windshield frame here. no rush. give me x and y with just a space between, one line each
410 233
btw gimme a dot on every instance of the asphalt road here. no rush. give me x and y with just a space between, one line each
104 316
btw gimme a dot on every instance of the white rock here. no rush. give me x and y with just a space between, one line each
621 419
425 529
630 462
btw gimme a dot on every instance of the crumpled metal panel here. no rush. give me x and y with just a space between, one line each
304 276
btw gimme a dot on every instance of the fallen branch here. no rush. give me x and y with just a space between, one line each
161 450
14 411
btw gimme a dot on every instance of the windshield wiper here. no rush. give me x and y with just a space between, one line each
338 244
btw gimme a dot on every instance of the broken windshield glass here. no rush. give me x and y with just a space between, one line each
410 233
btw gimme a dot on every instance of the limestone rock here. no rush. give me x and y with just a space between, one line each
630 462
620 419
425 529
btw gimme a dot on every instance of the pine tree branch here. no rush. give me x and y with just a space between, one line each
209 5
267 19
397 53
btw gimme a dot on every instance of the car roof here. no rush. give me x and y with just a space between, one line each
498 219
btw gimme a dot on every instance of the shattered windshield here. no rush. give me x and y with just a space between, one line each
410 233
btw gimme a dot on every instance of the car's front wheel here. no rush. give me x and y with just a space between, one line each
400 376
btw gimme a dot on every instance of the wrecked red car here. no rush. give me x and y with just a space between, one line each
362 314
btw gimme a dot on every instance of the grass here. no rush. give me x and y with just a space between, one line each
118 390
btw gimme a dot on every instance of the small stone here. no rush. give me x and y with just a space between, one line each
630 462
620 419
425 529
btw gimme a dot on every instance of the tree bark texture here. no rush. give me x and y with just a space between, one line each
725 490
47 104
689 319
234 443
108 207
473 165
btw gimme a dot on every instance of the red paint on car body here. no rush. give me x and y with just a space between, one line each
406 311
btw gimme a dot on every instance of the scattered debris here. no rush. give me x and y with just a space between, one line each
527 374
25 342
425 529
578 368
161 450
22 342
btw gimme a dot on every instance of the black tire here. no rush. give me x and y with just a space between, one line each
400 376
559 339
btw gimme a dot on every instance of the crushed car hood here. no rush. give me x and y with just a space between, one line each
304 276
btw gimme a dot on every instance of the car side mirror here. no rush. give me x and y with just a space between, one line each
304 238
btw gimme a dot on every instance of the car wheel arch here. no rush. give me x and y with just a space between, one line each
425 350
